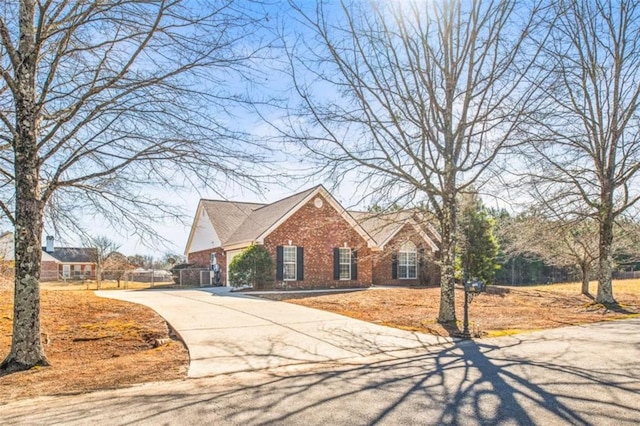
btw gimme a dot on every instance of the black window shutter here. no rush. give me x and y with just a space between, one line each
394 267
354 264
300 264
336 263
420 261
279 263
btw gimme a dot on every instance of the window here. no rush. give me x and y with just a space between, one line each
407 261
289 264
345 263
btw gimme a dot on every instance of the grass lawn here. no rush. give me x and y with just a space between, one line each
104 285
499 311
92 343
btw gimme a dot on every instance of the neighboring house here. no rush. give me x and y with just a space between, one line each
315 242
6 247
67 262
6 254
57 262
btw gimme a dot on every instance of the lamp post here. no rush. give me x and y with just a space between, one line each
471 288
465 323
465 282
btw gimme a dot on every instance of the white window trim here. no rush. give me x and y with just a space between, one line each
340 262
294 263
408 252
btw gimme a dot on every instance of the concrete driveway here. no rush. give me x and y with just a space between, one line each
585 375
228 332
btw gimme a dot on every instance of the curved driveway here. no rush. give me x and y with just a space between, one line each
227 332
585 375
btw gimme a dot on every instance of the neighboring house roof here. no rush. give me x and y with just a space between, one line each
59 254
46 257
384 226
240 224
72 254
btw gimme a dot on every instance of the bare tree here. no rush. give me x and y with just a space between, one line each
417 98
589 133
102 247
99 100
144 261
567 242
556 242
169 259
117 265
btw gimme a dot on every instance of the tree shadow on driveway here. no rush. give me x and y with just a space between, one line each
563 378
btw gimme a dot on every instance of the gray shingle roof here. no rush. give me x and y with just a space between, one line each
264 217
227 216
382 225
242 223
236 222
73 254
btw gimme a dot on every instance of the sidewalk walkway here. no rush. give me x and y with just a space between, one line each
230 332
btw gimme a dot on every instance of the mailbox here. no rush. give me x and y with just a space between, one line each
474 286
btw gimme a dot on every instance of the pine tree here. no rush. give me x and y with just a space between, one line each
478 251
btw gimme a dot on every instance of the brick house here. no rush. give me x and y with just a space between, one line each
315 242
407 247
56 262
67 262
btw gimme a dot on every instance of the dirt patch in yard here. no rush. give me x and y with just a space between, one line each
499 311
92 343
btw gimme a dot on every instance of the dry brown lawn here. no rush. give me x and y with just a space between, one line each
92 343
499 311
104 285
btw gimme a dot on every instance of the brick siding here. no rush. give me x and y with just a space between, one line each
430 275
202 259
319 231
49 271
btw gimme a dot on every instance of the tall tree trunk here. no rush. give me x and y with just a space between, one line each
584 269
448 223
26 345
605 248
605 286
98 275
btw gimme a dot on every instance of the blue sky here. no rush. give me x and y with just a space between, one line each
187 197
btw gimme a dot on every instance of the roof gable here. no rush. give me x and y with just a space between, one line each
333 203
261 221
225 217
383 227
240 224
